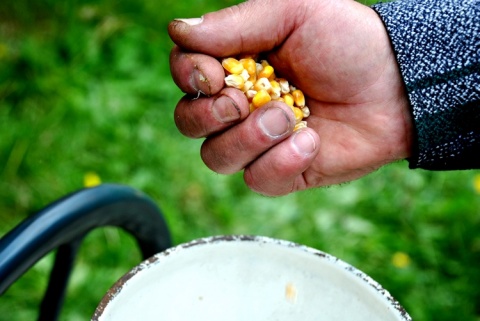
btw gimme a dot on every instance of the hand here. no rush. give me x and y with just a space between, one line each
337 52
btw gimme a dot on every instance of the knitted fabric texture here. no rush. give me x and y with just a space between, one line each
437 46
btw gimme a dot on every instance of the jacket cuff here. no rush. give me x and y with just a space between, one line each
437 46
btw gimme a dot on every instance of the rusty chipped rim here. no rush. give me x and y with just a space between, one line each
159 257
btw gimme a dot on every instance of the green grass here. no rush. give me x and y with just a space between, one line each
85 86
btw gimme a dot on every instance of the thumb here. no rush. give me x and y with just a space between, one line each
250 27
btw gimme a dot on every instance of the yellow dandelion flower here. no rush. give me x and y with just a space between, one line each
3 51
91 179
401 260
476 183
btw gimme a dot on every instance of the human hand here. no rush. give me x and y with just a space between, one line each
337 52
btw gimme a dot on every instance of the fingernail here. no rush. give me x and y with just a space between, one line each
197 79
304 142
191 21
274 122
225 110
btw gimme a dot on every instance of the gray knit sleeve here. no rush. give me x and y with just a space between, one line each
437 46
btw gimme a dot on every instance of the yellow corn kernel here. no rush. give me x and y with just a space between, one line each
275 90
288 98
298 114
235 81
298 97
266 72
260 85
249 65
233 66
301 124
261 98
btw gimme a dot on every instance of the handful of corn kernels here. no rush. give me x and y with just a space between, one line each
260 84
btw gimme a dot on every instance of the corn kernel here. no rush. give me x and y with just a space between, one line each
275 90
234 81
305 111
266 72
245 75
250 94
261 98
260 85
298 97
232 65
247 86
288 98
259 67
301 124
249 65
298 114
284 85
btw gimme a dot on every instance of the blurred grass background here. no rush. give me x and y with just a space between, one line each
85 88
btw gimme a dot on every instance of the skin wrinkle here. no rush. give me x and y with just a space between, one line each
221 160
265 139
287 24
254 183
388 156
298 182
251 182
199 130
323 179
291 25
234 13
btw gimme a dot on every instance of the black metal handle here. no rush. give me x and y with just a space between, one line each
63 225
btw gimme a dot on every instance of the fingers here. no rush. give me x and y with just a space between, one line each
249 27
283 169
208 115
232 150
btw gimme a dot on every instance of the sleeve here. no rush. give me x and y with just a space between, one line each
437 46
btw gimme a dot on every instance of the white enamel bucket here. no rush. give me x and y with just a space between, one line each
248 278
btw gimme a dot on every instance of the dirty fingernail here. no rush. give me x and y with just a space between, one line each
225 110
198 81
191 21
274 122
304 142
